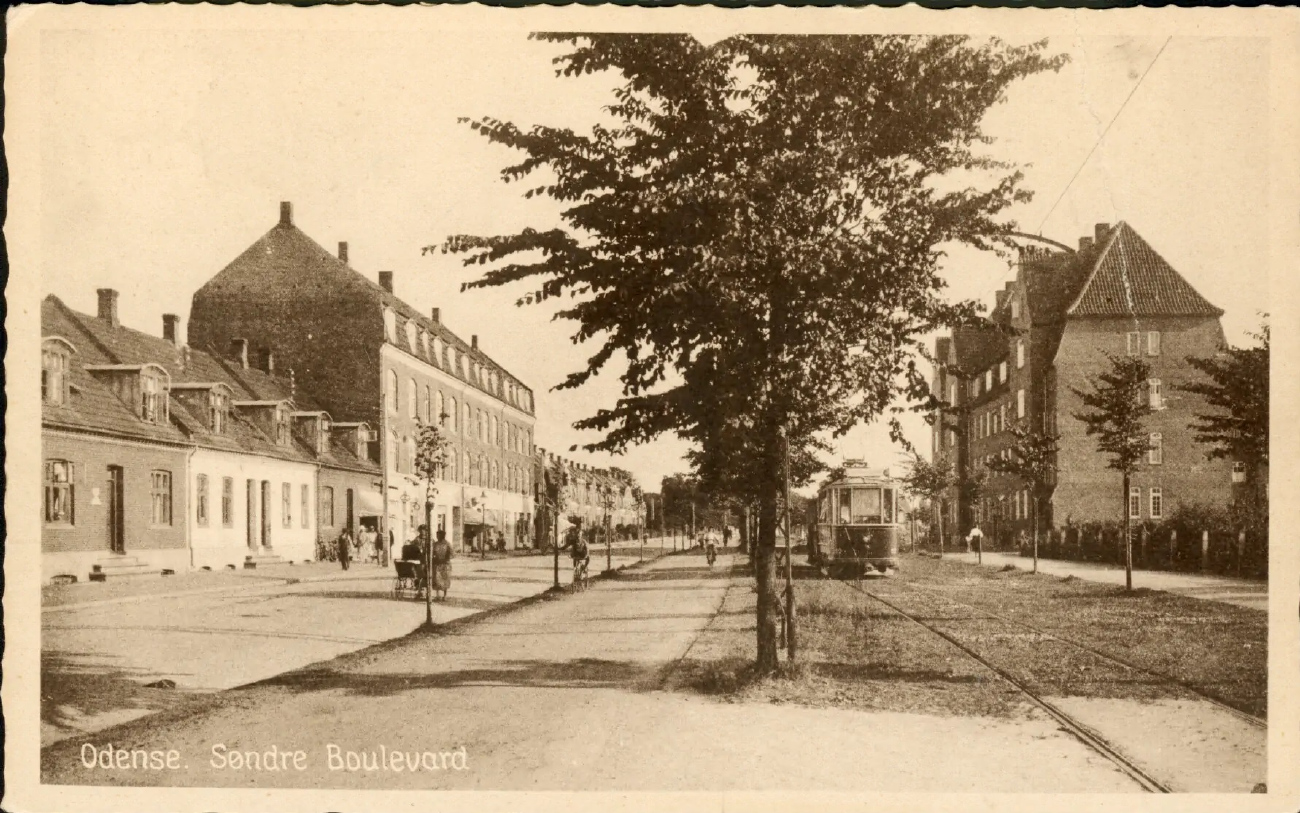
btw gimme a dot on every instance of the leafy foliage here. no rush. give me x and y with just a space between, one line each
430 457
1031 458
1238 389
1116 410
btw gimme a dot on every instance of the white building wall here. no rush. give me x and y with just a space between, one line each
218 544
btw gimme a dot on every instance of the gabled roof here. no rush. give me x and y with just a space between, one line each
1052 280
287 258
1129 278
978 347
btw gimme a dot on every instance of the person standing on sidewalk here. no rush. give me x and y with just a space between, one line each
344 543
441 554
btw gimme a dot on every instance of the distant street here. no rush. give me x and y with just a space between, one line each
102 643
569 694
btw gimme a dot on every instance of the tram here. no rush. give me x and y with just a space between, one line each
857 525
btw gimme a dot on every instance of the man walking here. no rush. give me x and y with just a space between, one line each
344 543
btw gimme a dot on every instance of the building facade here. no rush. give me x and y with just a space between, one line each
1048 334
366 357
587 496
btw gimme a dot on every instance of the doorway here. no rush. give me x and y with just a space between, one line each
250 493
116 499
266 514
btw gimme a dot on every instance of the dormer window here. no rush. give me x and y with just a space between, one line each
390 325
323 437
153 397
55 356
282 434
218 411
410 336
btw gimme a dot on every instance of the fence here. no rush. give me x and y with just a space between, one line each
1219 551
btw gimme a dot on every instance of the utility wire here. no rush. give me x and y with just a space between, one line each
1103 135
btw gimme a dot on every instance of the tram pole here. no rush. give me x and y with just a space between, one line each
789 557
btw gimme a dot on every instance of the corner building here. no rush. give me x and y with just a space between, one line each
1048 334
366 357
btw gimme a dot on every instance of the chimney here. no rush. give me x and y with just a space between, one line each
1101 230
473 341
286 213
266 361
108 306
386 281
343 251
437 316
239 349
1085 243
169 326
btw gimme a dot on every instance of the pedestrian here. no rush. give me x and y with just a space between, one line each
976 536
441 555
365 543
344 543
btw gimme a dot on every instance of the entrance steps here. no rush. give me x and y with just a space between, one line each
121 567
254 560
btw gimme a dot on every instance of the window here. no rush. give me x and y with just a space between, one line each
1154 393
153 400
410 336
468 423
54 376
391 397
218 409
408 446
412 396
59 504
952 394
1135 503
1020 355
437 352
494 436
988 379
427 407
974 388
282 435
1156 451
451 415
390 325
1002 418
201 500
392 461
306 497
1002 372
424 343
1238 472
440 410
1153 342
1157 503
160 492
228 501
286 505
1134 343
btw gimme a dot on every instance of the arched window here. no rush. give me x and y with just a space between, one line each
482 471
410 454
392 391
468 425
426 406
466 472
453 417
392 456
440 409
412 396
496 479
492 432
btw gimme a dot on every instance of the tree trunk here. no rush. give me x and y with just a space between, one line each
1128 541
940 531
765 573
1036 533
744 529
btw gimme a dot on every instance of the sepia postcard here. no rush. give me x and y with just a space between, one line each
675 409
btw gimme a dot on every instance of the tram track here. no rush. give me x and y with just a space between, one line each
1082 732
1200 694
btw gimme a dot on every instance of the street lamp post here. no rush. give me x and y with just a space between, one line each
482 528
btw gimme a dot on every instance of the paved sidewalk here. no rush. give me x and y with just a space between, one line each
1253 595
97 656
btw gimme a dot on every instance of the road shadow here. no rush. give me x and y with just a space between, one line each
77 687
678 574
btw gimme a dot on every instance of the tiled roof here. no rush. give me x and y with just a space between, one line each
285 257
1130 279
95 407
1052 280
978 347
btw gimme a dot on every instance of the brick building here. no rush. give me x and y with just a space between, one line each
590 495
366 357
1047 334
161 457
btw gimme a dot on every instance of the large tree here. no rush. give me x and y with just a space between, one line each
758 234
430 466
1236 388
1116 408
931 481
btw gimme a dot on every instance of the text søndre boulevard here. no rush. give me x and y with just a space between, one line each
224 758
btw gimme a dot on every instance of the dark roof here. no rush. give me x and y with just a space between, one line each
1052 280
978 347
286 258
1130 279
95 407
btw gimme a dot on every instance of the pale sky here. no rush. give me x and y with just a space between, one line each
164 156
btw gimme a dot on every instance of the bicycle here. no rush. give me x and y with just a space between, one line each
581 578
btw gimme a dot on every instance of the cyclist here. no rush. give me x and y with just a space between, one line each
581 559
710 548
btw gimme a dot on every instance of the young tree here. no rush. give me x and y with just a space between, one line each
1032 460
1116 408
930 481
430 461
764 221
1237 388
555 495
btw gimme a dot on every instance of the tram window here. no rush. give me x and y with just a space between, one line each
866 505
844 501
889 505
824 508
